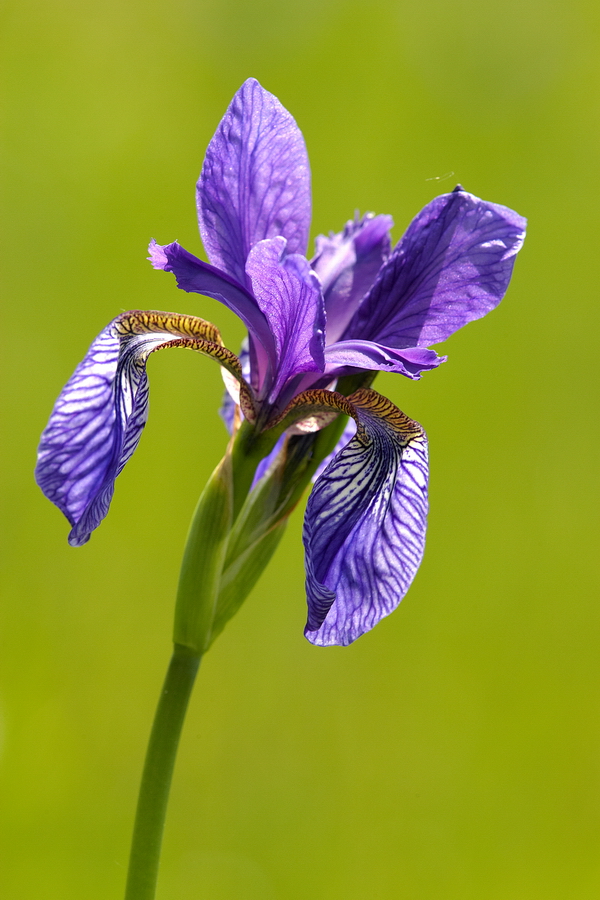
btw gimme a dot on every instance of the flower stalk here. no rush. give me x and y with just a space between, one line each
222 560
158 771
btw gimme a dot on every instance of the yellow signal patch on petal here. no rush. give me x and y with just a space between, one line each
405 429
190 332
316 408
150 322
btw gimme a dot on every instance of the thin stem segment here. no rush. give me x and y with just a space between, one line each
158 771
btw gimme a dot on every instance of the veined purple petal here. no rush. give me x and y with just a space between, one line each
346 356
364 530
290 297
347 265
98 419
347 435
255 181
452 266
195 276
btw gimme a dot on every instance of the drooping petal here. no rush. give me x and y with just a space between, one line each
345 356
290 297
255 181
452 266
347 265
98 419
364 530
194 275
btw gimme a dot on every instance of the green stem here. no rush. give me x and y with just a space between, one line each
158 770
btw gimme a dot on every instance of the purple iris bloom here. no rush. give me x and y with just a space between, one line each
357 307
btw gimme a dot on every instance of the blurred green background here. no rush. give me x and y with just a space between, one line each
454 752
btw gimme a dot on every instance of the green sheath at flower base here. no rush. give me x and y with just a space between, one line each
198 606
240 577
203 561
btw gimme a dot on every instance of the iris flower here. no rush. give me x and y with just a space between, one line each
318 332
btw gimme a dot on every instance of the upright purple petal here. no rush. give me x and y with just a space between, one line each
98 419
255 181
347 265
364 530
453 265
290 297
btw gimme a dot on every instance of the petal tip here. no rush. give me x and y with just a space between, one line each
331 637
157 255
78 540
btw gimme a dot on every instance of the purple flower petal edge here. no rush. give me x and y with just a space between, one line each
346 357
452 266
194 275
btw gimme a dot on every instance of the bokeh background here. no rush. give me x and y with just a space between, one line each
454 752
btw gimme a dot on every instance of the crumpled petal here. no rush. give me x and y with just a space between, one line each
290 297
346 356
98 419
255 181
194 275
347 265
364 529
452 266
